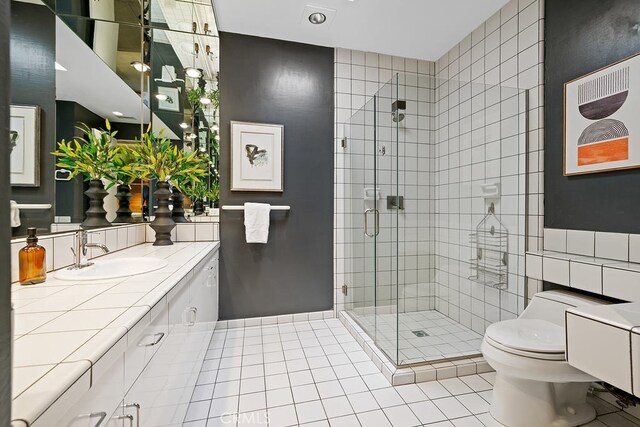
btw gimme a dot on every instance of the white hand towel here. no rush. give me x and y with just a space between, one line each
256 222
14 214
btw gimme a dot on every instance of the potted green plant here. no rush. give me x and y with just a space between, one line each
158 158
92 156
126 171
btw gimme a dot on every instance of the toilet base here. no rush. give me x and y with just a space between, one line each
520 402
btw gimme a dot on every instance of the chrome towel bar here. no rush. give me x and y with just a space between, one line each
241 208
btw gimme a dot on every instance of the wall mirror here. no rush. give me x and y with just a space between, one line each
133 63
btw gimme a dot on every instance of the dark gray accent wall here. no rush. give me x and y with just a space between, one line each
5 229
33 82
273 81
582 36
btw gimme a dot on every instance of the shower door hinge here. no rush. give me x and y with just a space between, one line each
343 142
344 289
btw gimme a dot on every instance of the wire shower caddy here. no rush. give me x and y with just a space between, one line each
490 244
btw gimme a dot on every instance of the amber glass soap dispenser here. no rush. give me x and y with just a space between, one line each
32 260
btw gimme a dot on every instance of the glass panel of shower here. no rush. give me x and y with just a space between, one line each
427 160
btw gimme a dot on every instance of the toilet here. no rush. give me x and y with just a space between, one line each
534 385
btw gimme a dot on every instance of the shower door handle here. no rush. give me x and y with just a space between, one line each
377 222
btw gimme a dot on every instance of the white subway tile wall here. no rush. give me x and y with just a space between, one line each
480 139
58 246
461 129
360 75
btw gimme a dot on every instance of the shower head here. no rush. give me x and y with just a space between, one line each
396 115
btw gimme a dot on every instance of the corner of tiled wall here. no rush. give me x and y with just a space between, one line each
506 51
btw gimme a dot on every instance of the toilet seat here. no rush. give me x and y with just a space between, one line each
535 338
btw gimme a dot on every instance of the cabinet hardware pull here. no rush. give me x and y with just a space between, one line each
160 335
125 417
194 311
101 415
137 406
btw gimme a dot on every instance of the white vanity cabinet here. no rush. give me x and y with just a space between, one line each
155 366
164 388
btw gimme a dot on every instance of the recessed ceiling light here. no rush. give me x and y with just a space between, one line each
139 66
317 18
59 67
161 97
118 114
183 125
204 100
193 72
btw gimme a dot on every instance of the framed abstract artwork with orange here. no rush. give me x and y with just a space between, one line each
602 119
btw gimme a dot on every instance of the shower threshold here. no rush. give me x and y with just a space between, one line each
445 365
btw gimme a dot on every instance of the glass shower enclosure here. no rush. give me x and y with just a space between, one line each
431 165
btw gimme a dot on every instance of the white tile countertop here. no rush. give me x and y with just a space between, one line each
62 328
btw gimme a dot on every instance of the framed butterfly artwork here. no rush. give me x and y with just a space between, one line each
257 151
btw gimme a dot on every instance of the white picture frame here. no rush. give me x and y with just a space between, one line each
257 157
25 141
601 129
172 102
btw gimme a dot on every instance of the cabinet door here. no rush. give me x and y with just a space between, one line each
103 398
204 295
164 387
144 339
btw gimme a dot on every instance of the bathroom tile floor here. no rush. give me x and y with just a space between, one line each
315 374
445 338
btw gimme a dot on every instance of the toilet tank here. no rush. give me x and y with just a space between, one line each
551 305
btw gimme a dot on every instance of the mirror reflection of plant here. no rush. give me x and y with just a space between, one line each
200 190
157 157
126 168
92 155
194 95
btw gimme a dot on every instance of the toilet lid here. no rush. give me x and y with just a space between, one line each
533 335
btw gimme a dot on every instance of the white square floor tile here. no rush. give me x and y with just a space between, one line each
224 405
427 412
279 397
474 403
451 407
346 421
329 389
252 402
337 406
305 393
374 418
309 395
401 416
198 411
310 411
363 402
387 397
283 416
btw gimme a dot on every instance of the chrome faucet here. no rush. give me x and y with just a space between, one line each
80 251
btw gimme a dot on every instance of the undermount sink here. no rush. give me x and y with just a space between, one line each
113 268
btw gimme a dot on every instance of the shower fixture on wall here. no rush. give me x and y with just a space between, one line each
397 109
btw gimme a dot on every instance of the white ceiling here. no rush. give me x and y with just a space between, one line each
423 29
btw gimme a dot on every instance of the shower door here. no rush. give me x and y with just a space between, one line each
363 214
372 244
385 175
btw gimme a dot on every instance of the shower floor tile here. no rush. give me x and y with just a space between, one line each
445 338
